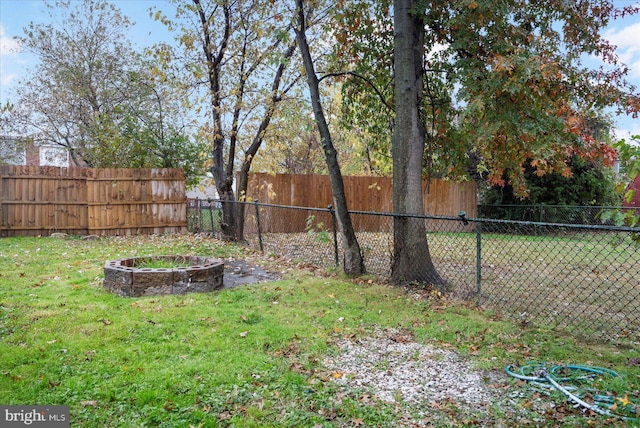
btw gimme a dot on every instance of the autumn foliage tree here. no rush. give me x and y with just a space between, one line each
234 56
503 82
95 96
292 142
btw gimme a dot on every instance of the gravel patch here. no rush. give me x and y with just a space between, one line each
398 370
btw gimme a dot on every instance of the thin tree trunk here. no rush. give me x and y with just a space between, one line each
243 176
353 261
411 257
222 178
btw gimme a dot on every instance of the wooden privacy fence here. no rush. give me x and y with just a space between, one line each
364 193
38 200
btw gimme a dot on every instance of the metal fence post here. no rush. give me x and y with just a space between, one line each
255 204
478 261
335 234
540 218
198 216
210 215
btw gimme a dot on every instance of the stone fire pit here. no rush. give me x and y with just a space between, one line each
195 274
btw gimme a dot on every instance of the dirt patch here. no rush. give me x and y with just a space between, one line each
239 272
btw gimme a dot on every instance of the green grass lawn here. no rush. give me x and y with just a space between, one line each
248 356
583 282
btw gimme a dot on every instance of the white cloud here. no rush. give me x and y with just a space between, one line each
628 45
6 78
8 45
626 134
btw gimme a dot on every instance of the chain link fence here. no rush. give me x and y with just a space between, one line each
543 213
584 279
203 215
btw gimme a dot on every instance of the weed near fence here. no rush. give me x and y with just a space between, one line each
580 278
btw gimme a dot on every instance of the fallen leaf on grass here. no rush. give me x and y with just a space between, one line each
224 416
624 400
92 403
296 367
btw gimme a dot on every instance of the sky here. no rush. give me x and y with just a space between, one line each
17 14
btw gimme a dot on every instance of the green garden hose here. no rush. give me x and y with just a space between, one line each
570 381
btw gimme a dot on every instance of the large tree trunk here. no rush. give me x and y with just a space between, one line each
411 257
353 261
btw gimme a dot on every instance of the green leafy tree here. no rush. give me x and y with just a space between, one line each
488 97
142 131
590 183
629 157
93 95
589 179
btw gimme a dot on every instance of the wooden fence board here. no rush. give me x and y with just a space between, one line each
109 201
441 198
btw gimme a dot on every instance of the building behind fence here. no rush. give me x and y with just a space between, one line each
584 279
104 201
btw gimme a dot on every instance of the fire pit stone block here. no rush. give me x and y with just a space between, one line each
124 278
